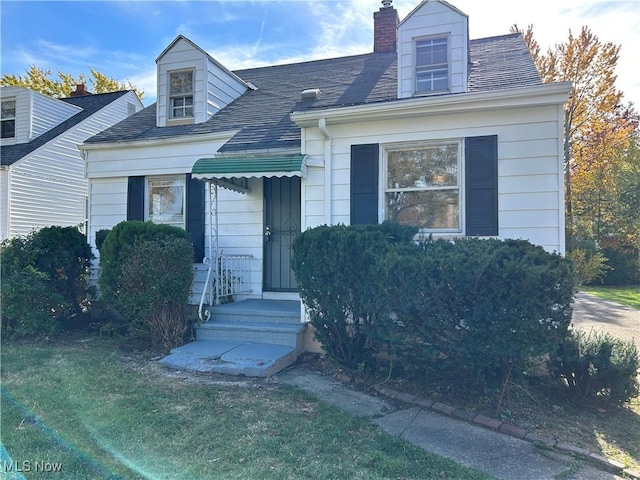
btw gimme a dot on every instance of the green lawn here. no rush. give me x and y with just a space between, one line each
88 408
626 295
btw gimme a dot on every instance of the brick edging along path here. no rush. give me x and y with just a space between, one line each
507 429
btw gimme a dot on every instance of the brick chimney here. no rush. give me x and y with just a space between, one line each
385 23
81 89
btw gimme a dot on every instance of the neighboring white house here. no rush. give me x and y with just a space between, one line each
42 172
456 136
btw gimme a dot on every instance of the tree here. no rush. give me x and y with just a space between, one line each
598 128
41 81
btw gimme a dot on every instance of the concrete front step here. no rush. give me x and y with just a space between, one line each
290 335
232 358
271 311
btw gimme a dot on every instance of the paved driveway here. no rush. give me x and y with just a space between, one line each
619 320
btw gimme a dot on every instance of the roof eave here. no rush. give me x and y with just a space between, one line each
201 137
209 57
538 95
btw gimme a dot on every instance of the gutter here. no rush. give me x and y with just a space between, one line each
328 180
539 95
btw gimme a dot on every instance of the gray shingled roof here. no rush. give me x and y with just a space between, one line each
90 104
501 62
262 115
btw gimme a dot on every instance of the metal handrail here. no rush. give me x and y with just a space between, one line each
229 279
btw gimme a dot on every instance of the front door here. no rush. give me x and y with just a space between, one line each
282 224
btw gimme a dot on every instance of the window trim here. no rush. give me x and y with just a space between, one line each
147 192
383 175
170 98
416 41
9 119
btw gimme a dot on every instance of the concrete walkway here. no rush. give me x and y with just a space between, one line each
502 451
500 455
591 312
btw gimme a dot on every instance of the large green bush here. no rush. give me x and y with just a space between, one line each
155 289
44 280
477 311
146 275
598 367
117 245
341 275
473 310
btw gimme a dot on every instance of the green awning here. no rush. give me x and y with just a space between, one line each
225 167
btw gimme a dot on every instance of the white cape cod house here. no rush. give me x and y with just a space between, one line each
42 173
456 136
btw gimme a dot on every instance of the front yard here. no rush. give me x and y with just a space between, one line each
92 410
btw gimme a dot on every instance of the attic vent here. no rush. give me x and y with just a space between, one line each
311 94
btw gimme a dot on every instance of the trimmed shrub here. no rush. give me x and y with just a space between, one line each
146 274
100 237
478 310
27 301
341 275
44 280
598 367
118 245
64 255
155 285
474 311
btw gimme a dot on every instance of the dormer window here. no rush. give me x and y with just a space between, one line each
181 94
8 118
432 65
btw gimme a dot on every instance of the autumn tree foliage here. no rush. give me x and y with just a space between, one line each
601 147
41 81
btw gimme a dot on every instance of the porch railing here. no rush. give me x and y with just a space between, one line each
227 275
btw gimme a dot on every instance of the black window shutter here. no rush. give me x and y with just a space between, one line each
195 216
481 185
135 199
364 183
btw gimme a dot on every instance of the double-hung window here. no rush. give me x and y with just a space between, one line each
423 185
432 65
181 94
8 118
166 200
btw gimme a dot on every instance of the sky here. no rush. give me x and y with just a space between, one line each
122 39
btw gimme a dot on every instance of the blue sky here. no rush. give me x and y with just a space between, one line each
122 39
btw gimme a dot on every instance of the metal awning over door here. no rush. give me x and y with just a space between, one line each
223 167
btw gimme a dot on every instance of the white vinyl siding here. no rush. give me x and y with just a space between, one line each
4 204
108 171
35 113
433 20
213 86
49 187
529 166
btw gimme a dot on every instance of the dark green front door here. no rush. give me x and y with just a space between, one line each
282 224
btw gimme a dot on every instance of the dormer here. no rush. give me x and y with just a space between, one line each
25 114
433 50
192 86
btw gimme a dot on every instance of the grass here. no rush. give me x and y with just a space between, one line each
629 295
97 412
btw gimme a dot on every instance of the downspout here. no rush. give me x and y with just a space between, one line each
328 187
